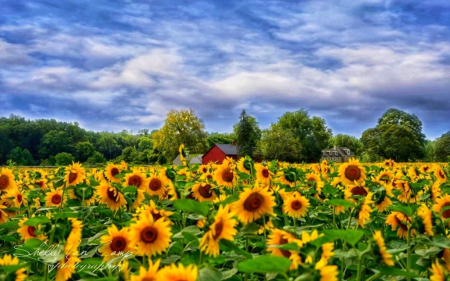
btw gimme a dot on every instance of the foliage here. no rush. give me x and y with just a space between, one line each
215 137
247 134
180 127
350 142
84 150
96 158
279 144
64 159
398 136
442 148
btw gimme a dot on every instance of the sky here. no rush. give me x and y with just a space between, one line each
114 65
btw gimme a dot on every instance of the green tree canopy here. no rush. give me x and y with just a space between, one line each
180 127
442 148
247 134
279 144
64 159
84 150
350 142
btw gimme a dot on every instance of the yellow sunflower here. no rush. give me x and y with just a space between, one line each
443 202
151 237
401 221
329 273
389 163
288 176
357 189
54 198
178 273
203 192
182 152
147 275
136 179
439 173
223 227
352 171
6 180
66 267
84 193
42 183
425 168
116 242
27 232
110 196
437 271
225 175
3 215
245 165
365 210
111 171
407 193
74 237
381 200
75 174
152 210
253 203
296 206
156 185
327 253
263 175
381 249
384 177
280 237
19 274
14 198
314 180
425 214
436 191
124 165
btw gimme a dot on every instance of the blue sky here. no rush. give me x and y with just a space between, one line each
114 65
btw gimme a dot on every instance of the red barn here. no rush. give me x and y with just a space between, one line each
218 152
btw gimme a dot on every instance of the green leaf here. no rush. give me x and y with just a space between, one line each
340 202
250 228
8 238
397 272
229 273
350 236
209 273
234 247
288 246
230 199
12 268
402 208
265 264
36 220
191 206
130 189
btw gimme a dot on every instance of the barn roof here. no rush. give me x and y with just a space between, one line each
195 158
228 149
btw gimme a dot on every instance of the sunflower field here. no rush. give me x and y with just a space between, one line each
238 220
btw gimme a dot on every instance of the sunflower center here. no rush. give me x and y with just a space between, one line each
148 279
353 173
31 230
155 184
425 168
56 199
205 170
39 183
359 190
113 194
441 174
205 191
296 205
156 216
72 177
218 229
227 175
19 198
118 244
4 180
135 180
114 171
285 253
446 213
265 173
253 202
149 234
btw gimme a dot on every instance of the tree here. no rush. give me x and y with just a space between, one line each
312 133
279 144
247 134
350 142
430 151
108 146
27 157
180 127
55 142
129 155
84 150
21 157
145 143
96 158
64 159
392 141
442 149
214 138
404 119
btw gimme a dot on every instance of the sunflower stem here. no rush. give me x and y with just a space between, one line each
360 261
375 276
62 199
201 258
408 259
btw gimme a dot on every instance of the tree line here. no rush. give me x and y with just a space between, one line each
295 137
